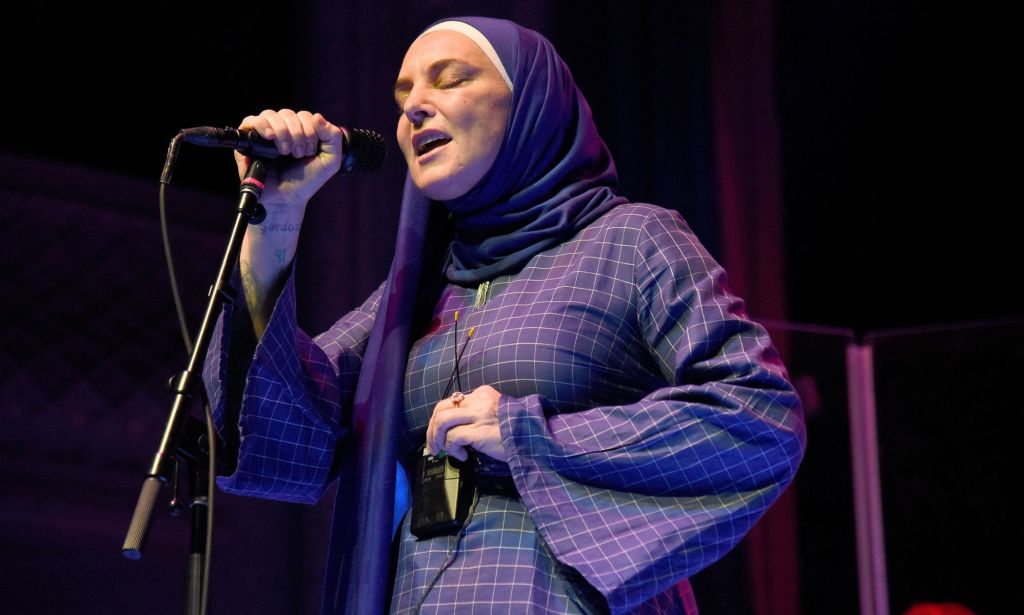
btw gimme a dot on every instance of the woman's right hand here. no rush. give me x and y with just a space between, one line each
311 152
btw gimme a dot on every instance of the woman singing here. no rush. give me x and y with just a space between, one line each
599 369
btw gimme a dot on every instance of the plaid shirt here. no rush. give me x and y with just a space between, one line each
649 423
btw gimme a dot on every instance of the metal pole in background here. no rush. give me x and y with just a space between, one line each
867 492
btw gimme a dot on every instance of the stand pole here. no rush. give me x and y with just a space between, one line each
184 386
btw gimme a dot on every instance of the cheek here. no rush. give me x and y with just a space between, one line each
498 109
402 136
494 131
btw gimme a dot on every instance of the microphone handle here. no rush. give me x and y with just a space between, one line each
250 143
363 149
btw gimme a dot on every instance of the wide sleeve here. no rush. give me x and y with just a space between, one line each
283 402
641 495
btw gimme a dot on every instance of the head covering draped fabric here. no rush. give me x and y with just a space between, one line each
552 177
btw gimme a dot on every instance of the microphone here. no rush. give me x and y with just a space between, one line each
363 150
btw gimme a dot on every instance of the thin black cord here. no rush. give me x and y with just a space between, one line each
455 349
452 552
210 435
476 495
455 344
178 309
458 357
458 375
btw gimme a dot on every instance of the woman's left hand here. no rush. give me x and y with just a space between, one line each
472 423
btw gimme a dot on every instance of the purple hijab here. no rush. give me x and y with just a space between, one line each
552 177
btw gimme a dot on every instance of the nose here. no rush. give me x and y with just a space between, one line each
418 105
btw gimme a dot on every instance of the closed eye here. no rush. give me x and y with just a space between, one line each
442 74
450 82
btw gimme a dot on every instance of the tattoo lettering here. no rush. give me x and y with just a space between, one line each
279 227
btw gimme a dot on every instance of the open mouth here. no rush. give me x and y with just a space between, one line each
430 143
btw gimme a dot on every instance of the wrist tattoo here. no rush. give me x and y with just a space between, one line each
251 287
279 223
279 227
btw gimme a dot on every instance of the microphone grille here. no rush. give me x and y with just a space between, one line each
364 151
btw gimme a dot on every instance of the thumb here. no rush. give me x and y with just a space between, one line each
242 162
330 136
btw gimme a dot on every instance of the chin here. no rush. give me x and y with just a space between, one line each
435 194
440 189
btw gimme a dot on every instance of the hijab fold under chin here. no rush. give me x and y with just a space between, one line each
552 177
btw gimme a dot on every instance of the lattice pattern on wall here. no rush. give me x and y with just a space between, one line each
88 332
88 339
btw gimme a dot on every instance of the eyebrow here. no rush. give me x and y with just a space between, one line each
433 70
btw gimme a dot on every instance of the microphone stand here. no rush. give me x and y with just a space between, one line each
184 436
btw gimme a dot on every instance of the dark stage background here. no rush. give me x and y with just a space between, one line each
849 162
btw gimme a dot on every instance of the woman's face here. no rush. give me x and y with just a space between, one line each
455 106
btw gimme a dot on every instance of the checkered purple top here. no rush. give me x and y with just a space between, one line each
649 422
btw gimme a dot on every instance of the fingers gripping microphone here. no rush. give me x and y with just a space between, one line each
363 149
